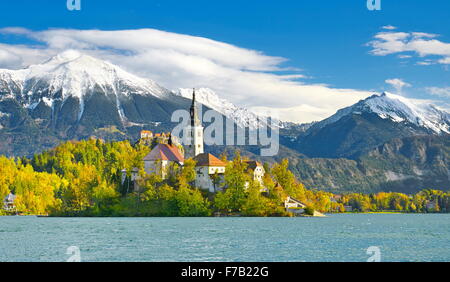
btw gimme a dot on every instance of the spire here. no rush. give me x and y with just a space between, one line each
194 114
170 142
195 146
193 98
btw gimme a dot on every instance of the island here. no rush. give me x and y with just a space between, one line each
158 176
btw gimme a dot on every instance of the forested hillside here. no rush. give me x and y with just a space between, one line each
84 179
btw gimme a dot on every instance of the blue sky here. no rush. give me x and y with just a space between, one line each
324 42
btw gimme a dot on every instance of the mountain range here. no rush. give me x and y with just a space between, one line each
385 142
371 122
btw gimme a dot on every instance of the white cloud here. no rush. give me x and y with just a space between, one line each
245 77
26 55
398 84
419 43
389 27
441 92
305 112
8 59
445 61
425 63
15 30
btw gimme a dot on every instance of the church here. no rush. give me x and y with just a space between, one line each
209 169
168 151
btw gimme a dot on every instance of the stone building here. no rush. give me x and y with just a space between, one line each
209 172
161 159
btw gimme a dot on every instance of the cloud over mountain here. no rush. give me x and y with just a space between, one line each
244 76
398 84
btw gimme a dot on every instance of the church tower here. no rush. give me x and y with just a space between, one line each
195 131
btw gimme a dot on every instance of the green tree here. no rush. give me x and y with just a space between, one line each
256 204
235 181
287 180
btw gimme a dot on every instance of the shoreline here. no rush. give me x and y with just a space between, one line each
305 216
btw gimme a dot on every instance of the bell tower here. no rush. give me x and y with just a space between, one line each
195 131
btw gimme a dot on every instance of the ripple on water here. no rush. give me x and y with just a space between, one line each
344 237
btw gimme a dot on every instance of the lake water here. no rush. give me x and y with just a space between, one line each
339 237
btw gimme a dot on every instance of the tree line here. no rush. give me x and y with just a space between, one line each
84 178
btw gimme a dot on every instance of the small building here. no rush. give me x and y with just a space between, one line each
163 138
8 202
348 208
257 170
336 198
134 174
298 208
209 172
151 139
161 158
146 134
294 206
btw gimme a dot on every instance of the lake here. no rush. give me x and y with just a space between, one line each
338 237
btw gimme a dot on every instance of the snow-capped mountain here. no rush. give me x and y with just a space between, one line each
73 74
241 116
74 95
371 122
398 109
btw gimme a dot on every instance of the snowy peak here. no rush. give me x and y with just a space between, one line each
206 97
65 57
241 116
77 68
76 74
398 109
401 109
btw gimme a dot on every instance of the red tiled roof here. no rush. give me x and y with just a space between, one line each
165 152
206 159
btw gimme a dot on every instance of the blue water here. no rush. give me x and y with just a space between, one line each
341 237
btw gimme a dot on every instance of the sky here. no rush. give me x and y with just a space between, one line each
303 58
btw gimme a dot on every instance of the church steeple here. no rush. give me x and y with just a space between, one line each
195 131
195 121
